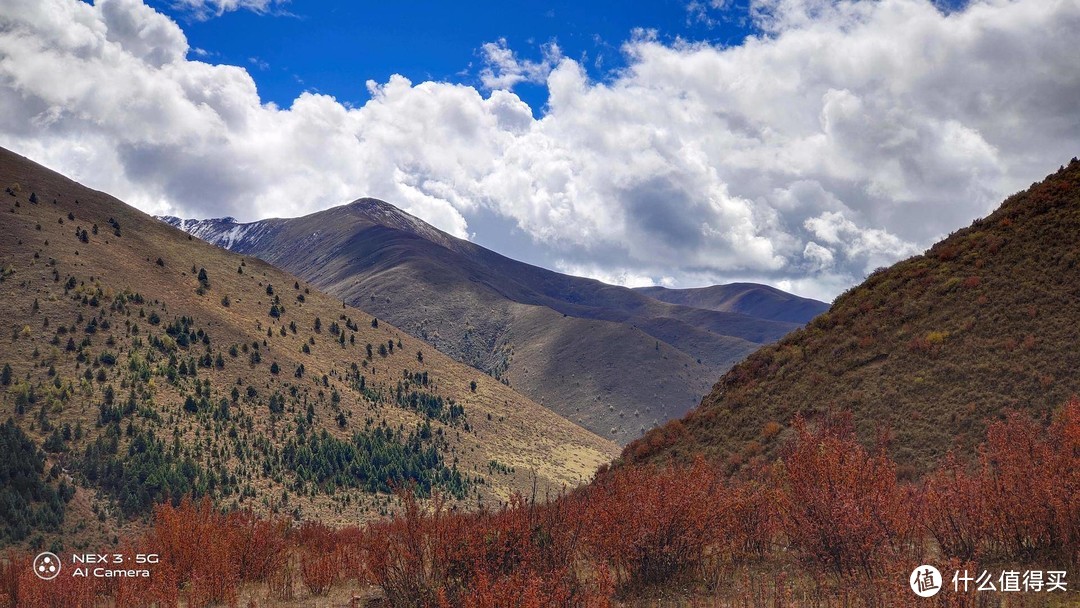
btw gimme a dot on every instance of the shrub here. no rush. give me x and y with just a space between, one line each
652 525
840 505
202 548
1030 478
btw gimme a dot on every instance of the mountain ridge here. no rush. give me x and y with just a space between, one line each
508 318
747 298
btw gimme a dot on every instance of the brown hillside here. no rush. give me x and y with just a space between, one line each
930 348
111 337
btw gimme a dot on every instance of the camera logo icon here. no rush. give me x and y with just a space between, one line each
47 566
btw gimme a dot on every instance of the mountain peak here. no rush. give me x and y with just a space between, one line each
386 214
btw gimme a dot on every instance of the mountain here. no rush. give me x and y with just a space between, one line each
751 299
140 364
987 320
610 358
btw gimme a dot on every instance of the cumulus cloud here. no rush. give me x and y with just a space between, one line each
845 136
503 68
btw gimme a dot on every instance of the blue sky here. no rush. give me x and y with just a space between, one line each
798 143
335 47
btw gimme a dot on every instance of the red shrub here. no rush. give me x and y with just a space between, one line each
62 592
202 548
10 566
263 544
510 552
159 589
403 553
318 570
841 506
652 525
955 513
1030 479
522 555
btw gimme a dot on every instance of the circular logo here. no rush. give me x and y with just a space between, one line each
925 581
47 566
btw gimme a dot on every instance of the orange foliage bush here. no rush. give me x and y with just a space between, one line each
521 555
9 579
263 542
1030 478
202 548
651 525
62 592
318 571
955 513
406 554
842 506
1021 503
320 557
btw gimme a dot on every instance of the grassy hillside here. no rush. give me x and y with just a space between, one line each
149 365
928 349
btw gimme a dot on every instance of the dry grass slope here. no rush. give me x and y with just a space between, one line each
116 326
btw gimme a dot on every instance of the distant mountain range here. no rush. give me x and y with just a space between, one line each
751 299
615 360
927 350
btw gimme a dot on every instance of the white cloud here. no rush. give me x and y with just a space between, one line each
820 258
503 69
204 9
849 135
707 12
601 273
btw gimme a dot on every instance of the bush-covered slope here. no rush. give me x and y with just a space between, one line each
986 320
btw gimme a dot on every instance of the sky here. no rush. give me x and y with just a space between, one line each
798 143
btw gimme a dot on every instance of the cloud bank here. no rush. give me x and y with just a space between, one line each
845 136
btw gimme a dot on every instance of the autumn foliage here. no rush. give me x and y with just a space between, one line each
1020 502
825 520
841 506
